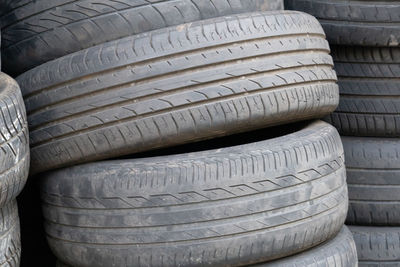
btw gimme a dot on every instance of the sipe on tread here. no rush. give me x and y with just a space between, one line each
354 22
377 246
139 93
39 31
167 210
14 140
373 166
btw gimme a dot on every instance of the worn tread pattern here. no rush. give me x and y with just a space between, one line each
377 246
14 140
237 205
139 93
373 177
339 252
10 244
369 87
355 22
41 30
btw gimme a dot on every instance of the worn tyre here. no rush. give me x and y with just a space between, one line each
237 205
377 246
10 243
178 85
355 22
14 143
340 252
369 91
39 31
373 177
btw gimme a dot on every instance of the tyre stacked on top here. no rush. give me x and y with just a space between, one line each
366 49
106 79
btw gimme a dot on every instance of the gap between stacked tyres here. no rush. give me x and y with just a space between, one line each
105 79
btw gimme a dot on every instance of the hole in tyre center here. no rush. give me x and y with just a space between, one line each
224 141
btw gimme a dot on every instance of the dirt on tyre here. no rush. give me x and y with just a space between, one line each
340 251
377 246
39 31
355 22
10 243
14 140
369 91
139 93
235 205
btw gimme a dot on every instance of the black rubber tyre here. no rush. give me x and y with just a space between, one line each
41 30
355 22
246 71
373 177
339 252
377 246
369 91
230 206
10 243
60 264
14 143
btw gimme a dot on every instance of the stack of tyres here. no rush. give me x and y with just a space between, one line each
14 167
366 51
107 79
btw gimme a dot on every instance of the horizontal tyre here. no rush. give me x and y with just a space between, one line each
377 246
14 140
231 206
37 31
369 91
355 22
373 177
177 85
340 252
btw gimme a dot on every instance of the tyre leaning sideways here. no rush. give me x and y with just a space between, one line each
355 22
10 244
35 32
377 246
369 91
14 141
373 177
246 71
339 252
236 205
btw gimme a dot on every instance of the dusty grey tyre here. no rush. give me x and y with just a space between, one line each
373 177
369 91
10 243
339 252
35 32
377 246
355 22
177 85
14 143
231 206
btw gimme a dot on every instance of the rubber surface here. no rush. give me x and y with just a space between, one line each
178 85
231 206
377 246
14 143
35 32
60 264
10 244
339 252
355 22
373 179
369 91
